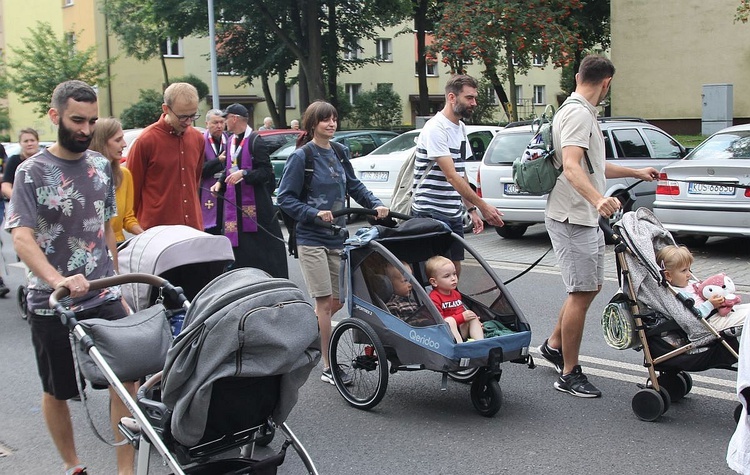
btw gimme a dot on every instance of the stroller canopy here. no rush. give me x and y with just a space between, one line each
417 239
644 235
163 248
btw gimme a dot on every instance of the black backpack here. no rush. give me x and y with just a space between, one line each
291 223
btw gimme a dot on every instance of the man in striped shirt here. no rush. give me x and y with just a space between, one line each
442 148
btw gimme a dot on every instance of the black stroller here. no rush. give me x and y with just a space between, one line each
649 315
248 345
374 343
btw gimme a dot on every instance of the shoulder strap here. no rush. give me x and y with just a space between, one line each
338 150
585 152
309 171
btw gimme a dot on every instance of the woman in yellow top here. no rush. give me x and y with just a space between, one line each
108 140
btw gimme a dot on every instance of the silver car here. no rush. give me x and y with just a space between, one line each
632 143
695 198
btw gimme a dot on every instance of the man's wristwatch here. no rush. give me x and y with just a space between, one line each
244 173
472 209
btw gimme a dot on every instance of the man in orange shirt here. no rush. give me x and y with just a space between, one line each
167 161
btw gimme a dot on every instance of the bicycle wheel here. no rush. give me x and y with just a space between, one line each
358 362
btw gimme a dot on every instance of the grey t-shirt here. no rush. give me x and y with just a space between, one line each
576 125
66 203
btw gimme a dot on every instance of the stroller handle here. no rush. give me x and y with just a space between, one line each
96 284
342 231
606 228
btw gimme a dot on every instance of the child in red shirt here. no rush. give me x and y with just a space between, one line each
442 275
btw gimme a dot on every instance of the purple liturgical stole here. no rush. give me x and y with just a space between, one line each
243 159
208 201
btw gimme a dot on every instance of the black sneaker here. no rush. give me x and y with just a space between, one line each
552 355
577 384
327 377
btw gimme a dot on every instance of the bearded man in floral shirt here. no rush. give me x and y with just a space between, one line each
59 217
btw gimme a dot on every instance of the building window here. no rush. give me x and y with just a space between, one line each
539 95
519 95
431 69
352 51
67 3
290 97
352 91
538 60
384 49
171 48
491 96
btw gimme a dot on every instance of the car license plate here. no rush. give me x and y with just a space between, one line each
374 176
512 189
708 189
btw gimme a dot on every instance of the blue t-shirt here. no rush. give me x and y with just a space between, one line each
333 178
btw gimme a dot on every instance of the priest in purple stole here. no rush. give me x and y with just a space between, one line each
213 167
247 184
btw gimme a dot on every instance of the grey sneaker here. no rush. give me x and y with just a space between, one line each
577 384
552 355
327 377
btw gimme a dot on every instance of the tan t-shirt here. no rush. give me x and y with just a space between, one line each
576 125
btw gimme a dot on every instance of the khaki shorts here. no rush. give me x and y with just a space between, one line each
320 268
580 254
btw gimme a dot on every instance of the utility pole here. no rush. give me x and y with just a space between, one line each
212 54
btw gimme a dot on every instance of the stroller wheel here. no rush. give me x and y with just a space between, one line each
486 394
648 404
463 376
362 367
688 380
21 301
675 385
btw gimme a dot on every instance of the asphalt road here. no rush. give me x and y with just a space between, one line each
419 429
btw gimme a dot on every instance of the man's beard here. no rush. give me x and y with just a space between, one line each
67 140
462 110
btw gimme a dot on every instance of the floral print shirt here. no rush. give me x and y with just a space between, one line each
66 203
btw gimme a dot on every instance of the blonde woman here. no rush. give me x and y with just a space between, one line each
108 140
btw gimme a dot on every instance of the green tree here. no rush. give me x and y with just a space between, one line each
505 36
592 25
144 112
47 60
139 29
277 33
197 82
380 109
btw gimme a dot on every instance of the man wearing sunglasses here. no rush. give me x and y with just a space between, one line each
167 161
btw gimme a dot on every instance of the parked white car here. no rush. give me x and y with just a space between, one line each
379 170
632 143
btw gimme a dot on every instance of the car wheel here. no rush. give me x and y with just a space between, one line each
468 225
692 240
512 231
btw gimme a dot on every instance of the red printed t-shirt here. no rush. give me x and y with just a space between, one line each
166 170
449 305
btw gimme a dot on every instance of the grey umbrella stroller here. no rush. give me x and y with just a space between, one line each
249 344
649 315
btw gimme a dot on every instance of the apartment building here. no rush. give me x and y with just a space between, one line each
395 50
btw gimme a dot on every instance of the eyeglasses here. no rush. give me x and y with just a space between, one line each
183 118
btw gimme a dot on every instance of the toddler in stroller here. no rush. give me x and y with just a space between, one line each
676 262
650 315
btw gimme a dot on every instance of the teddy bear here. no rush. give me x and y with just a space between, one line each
719 284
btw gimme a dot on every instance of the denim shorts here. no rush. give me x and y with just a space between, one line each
580 254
